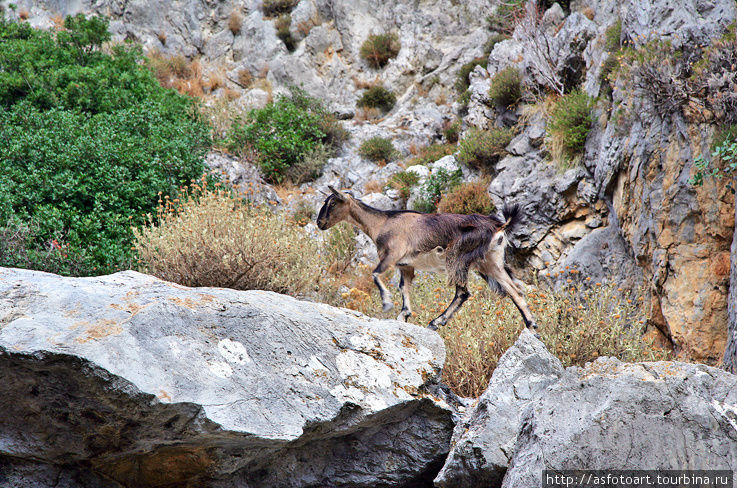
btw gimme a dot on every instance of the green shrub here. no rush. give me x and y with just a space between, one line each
462 82
87 141
570 121
452 132
492 41
377 97
272 8
430 154
505 16
378 49
723 161
283 134
482 149
613 37
506 87
377 149
467 198
282 25
439 182
404 182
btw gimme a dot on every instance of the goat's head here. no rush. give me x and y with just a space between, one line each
335 209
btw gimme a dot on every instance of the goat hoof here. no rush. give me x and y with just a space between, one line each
388 306
404 315
433 325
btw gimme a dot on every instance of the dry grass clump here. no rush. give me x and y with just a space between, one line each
245 78
467 198
235 22
378 49
177 72
577 324
430 154
273 8
207 237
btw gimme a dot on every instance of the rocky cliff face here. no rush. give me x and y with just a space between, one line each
626 213
126 380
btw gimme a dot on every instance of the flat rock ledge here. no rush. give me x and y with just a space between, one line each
129 381
535 415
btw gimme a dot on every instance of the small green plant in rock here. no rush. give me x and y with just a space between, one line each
377 97
378 49
570 122
482 149
491 42
613 37
723 161
439 182
377 149
462 82
283 32
404 182
506 87
452 131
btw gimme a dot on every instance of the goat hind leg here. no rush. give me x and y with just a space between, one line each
407 274
460 297
509 286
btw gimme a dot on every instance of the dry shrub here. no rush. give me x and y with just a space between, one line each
207 237
430 154
273 8
378 49
245 78
58 21
373 186
177 72
467 198
577 324
368 114
23 14
589 13
216 80
235 22
162 38
231 94
340 245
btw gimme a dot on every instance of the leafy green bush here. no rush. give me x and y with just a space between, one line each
482 149
87 141
377 97
467 198
378 49
439 182
723 161
452 131
506 87
570 121
283 133
377 149
462 82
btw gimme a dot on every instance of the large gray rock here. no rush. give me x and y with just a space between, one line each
114 377
483 440
612 415
730 353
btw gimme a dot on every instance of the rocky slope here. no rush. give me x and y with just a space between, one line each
126 380
626 213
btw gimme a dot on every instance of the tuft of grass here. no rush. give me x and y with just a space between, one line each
207 237
404 181
274 8
430 154
613 37
377 97
506 87
482 149
462 82
303 213
340 245
245 78
378 49
235 22
467 198
284 33
377 149
570 121
452 131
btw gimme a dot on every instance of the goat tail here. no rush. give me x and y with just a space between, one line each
470 247
512 216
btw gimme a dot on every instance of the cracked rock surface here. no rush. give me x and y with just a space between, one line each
127 380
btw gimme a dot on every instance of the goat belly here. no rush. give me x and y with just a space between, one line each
426 261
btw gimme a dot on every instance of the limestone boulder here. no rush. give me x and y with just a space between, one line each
107 380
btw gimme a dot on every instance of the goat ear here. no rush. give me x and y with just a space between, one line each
338 194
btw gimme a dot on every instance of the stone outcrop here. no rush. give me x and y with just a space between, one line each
483 440
606 415
129 381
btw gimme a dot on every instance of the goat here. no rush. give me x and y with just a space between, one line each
453 243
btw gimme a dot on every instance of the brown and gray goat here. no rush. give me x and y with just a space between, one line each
451 243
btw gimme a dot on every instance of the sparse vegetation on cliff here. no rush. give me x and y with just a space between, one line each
570 122
377 97
506 87
378 49
378 150
467 198
482 149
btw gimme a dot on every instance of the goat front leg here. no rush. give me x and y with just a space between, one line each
386 298
407 274
460 297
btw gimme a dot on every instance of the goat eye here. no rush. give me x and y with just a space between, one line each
332 204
